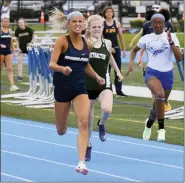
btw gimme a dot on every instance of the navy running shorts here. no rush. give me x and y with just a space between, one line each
67 95
5 52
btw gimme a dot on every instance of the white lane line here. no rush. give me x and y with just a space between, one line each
111 139
68 165
15 177
98 152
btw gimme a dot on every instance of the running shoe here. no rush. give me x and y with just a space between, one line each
147 132
81 168
101 129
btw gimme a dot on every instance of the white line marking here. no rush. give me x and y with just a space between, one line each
68 165
111 139
98 152
15 177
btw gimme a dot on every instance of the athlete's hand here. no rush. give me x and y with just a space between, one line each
66 70
124 53
130 69
100 80
113 51
120 77
140 63
169 36
3 46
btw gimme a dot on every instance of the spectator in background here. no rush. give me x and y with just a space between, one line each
85 23
6 49
5 10
24 35
113 29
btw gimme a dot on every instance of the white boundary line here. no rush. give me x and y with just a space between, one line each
98 152
15 177
68 165
111 139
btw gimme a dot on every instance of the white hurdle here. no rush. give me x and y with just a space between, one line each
40 93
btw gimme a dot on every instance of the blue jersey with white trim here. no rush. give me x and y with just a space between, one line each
77 61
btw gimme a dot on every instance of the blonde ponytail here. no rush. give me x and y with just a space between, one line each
58 20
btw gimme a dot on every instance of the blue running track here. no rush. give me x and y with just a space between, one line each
32 151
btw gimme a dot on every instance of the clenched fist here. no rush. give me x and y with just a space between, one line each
66 70
100 80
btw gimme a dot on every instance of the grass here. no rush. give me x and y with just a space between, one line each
127 36
126 120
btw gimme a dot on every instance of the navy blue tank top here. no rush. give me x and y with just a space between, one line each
5 38
111 32
77 61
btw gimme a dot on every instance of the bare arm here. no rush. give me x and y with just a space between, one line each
12 45
133 54
141 53
113 64
122 40
112 61
132 58
139 34
174 43
58 48
177 53
17 43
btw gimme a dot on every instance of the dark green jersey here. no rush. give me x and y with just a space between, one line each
99 61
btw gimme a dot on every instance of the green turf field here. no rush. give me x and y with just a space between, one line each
126 119
127 36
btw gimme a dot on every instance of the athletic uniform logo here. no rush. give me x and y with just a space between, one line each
112 30
97 55
156 48
79 59
5 36
23 34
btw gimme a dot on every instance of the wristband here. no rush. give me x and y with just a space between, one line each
171 43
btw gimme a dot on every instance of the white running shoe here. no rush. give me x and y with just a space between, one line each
161 135
81 168
147 132
14 88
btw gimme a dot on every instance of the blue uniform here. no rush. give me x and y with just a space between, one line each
166 78
111 33
66 88
5 39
